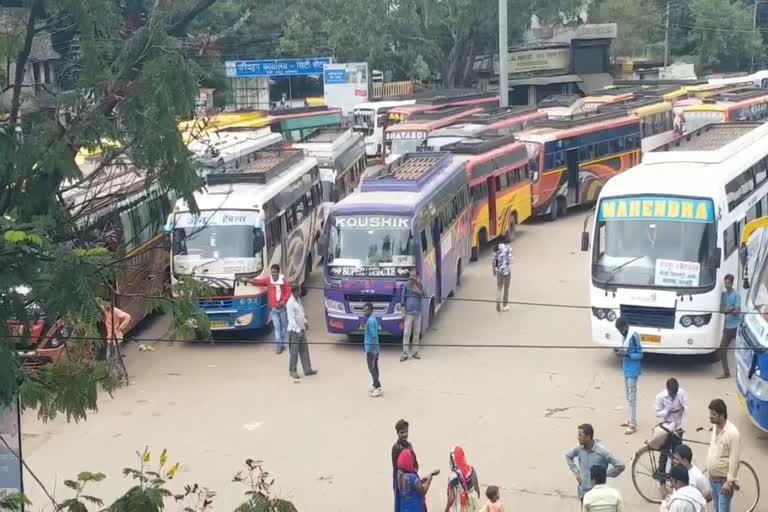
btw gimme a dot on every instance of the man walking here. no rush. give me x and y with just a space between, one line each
601 498
723 457
730 306
671 408
631 352
278 293
297 335
587 454
685 498
501 263
411 295
372 349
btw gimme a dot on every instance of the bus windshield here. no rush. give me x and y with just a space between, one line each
656 251
403 146
363 121
191 244
371 241
696 119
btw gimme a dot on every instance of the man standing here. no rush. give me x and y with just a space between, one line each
631 352
723 457
685 498
502 263
601 498
411 295
278 293
297 335
581 459
372 348
730 306
684 457
116 322
671 408
402 443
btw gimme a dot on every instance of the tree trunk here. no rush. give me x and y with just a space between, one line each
21 61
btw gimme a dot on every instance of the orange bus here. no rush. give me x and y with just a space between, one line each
746 104
574 157
499 185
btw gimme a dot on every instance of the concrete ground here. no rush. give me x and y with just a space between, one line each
514 410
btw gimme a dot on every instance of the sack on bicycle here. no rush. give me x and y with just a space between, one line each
659 436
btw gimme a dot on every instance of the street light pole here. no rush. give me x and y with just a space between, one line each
503 55
666 37
754 27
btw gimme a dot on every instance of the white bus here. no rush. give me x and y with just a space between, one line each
666 232
340 155
250 218
227 150
370 119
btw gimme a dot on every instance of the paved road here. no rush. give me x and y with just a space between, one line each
514 410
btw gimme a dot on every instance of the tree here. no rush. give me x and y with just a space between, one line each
131 82
640 24
723 35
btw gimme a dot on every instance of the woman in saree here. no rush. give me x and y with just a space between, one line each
411 490
463 486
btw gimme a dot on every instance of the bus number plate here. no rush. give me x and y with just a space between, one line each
650 338
219 324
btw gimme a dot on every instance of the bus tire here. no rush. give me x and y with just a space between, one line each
431 316
458 274
475 254
512 228
553 210
562 205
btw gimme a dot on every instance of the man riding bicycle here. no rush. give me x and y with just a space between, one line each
671 408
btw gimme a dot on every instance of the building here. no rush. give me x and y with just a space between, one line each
554 60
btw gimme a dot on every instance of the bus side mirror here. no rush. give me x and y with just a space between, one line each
584 241
716 257
258 241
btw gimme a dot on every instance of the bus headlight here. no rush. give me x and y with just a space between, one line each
759 388
604 314
244 320
686 321
611 315
697 320
398 308
333 305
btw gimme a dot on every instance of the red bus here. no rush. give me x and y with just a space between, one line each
440 99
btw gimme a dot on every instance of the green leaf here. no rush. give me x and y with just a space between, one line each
14 237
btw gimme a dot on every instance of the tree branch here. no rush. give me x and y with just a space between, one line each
179 28
21 60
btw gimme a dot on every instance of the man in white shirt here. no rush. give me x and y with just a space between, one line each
671 407
684 457
686 498
297 336
601 498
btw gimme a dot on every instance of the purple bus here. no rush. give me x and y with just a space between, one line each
414 213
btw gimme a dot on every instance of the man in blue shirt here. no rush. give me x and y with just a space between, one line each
372 349
631 353
730 306
410 299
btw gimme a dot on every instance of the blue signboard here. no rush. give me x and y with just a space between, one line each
657 208
275 67
335 76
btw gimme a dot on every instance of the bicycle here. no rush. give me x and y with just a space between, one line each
648 481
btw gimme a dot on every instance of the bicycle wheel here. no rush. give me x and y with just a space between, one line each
644 467
747 494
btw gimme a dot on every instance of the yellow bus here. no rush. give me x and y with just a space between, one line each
202 126
499 185
746 104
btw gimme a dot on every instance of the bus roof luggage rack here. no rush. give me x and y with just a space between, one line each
499 114
563 123
479 144
324 135
559 100
712 143
266 164
408 173
300 110
655 83
443 96
740 94
631 104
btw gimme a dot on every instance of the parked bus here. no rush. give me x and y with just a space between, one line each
748 104
230 150
752 336
657 120
561 105
293 123
249 218
412 135
668 230
370 119
340 155
201 127
608 98
572 158
415 214
499 185
757 79
440 99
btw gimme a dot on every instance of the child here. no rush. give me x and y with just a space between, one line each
372 348
494 502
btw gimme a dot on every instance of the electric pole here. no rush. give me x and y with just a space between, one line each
503 55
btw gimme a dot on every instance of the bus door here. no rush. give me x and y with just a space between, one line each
491 186
436 231
572 163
